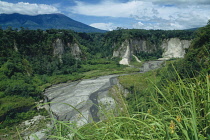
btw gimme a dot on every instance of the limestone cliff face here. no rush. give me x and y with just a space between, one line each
135 45
75 50
132 46
123 52
172 48
59 48
139 45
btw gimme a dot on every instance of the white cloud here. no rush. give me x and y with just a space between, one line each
177 2
26 8
156 14
164 26
104 26
105 8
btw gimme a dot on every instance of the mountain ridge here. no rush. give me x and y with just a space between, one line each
44 21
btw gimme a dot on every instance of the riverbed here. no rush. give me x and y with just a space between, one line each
79 101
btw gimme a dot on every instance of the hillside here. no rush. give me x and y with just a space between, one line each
45 21
32 60
169 103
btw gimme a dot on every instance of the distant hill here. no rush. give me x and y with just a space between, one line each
193 29
45 21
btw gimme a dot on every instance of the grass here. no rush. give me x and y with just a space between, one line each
10 133
90 71
44 81
152 110
172 110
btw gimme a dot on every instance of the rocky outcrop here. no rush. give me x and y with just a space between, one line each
75 50
126 58
172 48
151 65
131 47
135 45
59 48
120 52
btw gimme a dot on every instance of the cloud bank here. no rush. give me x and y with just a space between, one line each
104 26
26 8
154 14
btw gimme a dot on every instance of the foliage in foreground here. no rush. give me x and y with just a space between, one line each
172 105
179 110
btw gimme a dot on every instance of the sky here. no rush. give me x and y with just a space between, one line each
127 14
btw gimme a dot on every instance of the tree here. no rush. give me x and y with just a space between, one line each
208 23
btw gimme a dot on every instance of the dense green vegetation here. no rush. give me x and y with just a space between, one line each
168 103
173 102
29 63
153 39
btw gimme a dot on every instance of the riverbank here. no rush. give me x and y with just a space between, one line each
80 101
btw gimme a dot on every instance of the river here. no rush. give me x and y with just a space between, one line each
79 101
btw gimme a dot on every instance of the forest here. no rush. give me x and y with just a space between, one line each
28 63
168 103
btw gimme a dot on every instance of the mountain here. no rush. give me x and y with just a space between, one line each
193 29
45 21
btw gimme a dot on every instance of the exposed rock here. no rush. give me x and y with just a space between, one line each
58 50
137 59
34 120
127 57
123 90
131 47
75 50
31 126
83 101
78 101
174 47
139 45
121 51
151 65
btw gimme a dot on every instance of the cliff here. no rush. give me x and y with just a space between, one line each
174 47
59 48
171 48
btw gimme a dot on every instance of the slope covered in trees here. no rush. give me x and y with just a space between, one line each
168 103
29 64
44 22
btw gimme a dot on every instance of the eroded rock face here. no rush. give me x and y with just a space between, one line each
75 50
151 65
174 47
139 45
58 48
127 57
120 52
130 47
